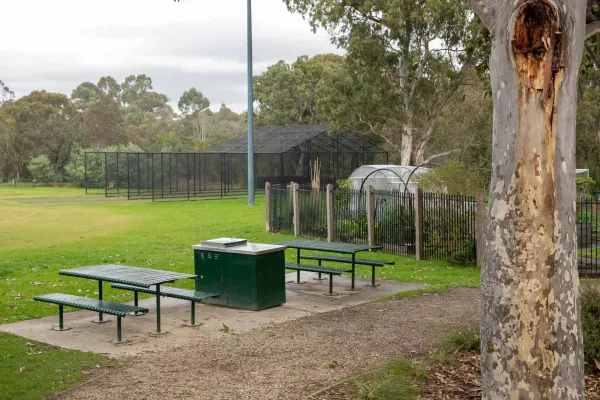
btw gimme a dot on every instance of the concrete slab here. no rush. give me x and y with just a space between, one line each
302 300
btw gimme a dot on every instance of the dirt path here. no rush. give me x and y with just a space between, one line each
293 359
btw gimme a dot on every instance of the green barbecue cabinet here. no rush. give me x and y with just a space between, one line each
249 276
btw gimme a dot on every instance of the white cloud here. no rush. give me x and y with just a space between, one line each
55 45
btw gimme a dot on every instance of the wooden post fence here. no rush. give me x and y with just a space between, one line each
330 231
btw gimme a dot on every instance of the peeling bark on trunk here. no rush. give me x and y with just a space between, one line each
532 344
407 143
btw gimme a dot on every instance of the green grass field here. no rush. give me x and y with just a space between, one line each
43 230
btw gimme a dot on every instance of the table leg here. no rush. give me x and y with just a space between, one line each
100 297
193 316
101 319
320 278
61 325
298 262
352 288
158 309
118 340
353 269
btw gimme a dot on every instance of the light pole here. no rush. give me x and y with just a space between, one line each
250 112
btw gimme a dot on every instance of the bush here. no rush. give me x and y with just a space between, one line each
453 178
466 254
41 169
76 171
590 321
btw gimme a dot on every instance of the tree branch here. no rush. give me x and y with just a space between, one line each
485 10
433 157
592 29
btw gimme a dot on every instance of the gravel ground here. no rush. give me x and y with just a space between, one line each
293 359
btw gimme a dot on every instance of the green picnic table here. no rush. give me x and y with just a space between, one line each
134 276
330 247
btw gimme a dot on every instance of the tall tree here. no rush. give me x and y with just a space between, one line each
389 46
531 330
46 124
287 94
103 124
192 102
5 93
134 87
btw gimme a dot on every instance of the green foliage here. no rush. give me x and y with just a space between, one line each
41 169
390 84
396 225
466 255
76 171
590 322
192 102
585 185
288 94
453 178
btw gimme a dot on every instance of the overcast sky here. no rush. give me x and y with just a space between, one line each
57 44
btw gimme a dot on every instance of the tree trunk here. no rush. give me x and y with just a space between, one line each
407 142
531 330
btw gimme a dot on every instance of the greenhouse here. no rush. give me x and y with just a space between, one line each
386 177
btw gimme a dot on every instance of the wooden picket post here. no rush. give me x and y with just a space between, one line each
330 231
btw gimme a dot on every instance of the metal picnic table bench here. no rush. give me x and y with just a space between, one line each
329 247
133 276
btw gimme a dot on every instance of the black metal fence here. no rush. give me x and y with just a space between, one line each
313 222
449 227
281 210
164 176
588 237
395 222
448 221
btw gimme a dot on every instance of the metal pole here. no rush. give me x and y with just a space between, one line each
250 112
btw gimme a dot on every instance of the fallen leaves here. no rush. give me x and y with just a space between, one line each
461 381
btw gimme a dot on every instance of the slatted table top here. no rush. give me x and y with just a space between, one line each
347 248
143 277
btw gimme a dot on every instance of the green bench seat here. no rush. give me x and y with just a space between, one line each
346 260
85 303
166 291
319 269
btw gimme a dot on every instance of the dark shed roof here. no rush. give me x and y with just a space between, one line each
281 139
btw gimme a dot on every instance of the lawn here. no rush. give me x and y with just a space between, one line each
10 191
31 370
42 232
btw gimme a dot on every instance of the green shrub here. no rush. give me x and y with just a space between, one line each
590 321
41 169
76 170
466 254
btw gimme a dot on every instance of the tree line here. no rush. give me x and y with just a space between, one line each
44 134
413 79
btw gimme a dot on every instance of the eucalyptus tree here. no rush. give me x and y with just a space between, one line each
408 54
531 331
